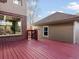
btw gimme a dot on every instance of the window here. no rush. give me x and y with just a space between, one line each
45 31
17 2
10 25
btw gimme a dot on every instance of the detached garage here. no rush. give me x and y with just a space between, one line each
59 27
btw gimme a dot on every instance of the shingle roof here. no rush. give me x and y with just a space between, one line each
56 17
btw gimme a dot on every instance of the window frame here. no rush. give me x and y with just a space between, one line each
47 31
18 2
4 18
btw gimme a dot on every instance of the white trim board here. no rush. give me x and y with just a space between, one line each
48 31
74 27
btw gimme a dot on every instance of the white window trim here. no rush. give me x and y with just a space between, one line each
43 31
11 34
17 2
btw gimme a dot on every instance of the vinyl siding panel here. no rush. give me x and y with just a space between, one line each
59 32
14 8
62 32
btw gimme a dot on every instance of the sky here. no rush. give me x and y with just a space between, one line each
47 7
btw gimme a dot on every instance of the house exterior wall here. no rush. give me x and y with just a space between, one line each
60 32
40 33
8 8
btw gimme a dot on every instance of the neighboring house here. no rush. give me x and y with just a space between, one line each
59 27
12 20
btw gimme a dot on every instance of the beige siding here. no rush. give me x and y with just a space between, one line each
13 8
40 32
62 32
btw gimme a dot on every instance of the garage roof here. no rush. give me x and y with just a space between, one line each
57 17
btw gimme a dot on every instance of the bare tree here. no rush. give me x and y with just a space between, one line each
32 11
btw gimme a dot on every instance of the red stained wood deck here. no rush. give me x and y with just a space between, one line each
45 49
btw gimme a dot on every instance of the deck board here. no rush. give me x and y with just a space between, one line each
44 49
